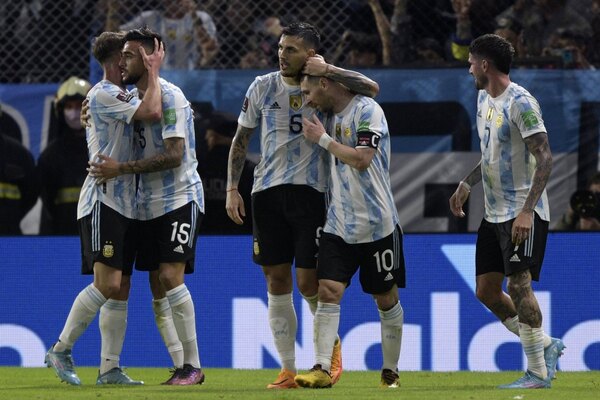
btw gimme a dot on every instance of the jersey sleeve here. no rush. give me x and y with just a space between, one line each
526 114
370 127
173 109
250 113
112 102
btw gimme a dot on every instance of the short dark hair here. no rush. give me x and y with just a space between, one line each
144 35
308 33
494 48
106 45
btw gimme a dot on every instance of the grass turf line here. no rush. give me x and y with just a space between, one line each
42 384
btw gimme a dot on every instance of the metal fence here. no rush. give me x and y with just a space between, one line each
49 40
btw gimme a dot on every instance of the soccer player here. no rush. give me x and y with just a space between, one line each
288 201
105 214
362 228
170 200
515 165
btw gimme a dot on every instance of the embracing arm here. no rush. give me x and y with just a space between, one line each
355 81
107 168
170 158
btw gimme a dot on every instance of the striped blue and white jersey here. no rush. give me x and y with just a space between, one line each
164 191
181 51
286 156
507 167
361 205
110 134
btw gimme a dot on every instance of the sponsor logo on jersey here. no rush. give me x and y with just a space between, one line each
108 250
245 104
295 101
124 97
275 106
178 249
338 130
490 114
529 118
170 116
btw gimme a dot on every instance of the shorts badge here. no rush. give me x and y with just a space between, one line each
108 250
256 248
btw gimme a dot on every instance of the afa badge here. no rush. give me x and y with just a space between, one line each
347 132
108 250
295 102
499 120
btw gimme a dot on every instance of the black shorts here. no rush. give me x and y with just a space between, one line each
287 221
170 238
106 237
495 251
381 262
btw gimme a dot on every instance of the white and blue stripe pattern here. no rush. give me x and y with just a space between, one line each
507 167
286 156
164 191
110 134
362 207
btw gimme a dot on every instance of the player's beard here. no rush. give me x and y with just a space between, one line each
481 83
131 79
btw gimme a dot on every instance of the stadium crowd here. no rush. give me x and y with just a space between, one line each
241 34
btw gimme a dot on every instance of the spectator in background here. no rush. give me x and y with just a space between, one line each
461 39
190 34
571 46
510 29
18 184
220 129
594 13
357 49
395 33
62 166
583 221
544 20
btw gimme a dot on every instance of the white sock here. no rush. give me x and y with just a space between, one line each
392 322
327 322
512 324
312 302
113 323
532 340
184 319
83 311
283 323
164 321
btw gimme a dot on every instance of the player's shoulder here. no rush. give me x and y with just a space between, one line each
267 79
106 91
170 89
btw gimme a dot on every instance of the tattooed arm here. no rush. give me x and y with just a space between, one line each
540 148
108 168
355 81
234 203
463 190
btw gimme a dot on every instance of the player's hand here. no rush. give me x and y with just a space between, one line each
312 129
522 227
84 117
457 200
153 61
315 66
104 169
234 204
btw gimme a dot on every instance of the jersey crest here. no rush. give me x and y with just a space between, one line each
295 102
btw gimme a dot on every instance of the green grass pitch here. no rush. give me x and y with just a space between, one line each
41 384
